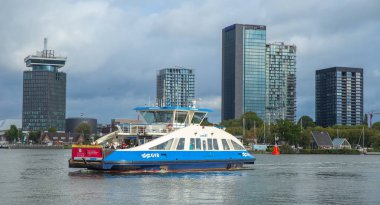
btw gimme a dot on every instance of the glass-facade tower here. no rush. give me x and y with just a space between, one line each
175 87
243 70
281 82
44 92
339 96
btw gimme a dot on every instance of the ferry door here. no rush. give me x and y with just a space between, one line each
204 145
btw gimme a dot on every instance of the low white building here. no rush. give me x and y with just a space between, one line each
341 143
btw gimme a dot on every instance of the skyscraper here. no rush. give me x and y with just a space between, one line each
256 76
175 87
339 96
243 70
44 92
281 82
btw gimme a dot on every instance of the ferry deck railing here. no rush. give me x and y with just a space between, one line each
149 129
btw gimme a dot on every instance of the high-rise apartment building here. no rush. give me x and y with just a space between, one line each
281 82
339 96
243 70
44 92
256 76
175 87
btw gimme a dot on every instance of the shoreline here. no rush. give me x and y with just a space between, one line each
33 146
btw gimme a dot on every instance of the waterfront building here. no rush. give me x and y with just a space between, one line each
281 82
243 70
256 76
339 96
321 140
44 92
175 87
341 143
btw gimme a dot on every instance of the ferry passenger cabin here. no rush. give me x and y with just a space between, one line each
156 122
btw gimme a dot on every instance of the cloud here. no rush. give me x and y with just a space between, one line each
115 48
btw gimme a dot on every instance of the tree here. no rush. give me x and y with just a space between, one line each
235 126
52 129
231 123
235 130
34 136
251 120
306 122
376 125
12 133
304 138
83 128
287 131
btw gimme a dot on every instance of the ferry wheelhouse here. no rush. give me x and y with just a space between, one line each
168 139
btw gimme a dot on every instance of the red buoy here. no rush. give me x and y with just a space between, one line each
276 151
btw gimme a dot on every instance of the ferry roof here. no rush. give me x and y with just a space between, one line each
172 108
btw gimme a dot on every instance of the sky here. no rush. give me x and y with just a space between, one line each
114 48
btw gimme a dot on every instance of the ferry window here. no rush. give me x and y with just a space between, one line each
163 146
164 116
225 144
192 144
237 146
215 143
204 144
198 144
181 116
209 144
148 116
181 144
157 116
198 117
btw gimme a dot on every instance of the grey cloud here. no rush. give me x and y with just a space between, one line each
114 48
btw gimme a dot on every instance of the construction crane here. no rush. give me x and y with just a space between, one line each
371 114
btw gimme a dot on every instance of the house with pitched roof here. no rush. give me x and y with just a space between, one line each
321 140
341 143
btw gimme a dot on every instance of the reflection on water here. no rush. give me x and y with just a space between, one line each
335 175
43 177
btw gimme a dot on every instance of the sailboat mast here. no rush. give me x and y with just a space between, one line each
363 138
264 132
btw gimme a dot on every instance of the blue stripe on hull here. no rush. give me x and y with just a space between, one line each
159 156
153 161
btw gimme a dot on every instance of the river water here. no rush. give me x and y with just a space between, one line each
43 177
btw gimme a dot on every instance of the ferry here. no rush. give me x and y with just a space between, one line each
168 139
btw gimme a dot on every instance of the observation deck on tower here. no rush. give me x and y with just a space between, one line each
45 60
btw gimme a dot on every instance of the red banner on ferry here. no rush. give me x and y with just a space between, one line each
87 153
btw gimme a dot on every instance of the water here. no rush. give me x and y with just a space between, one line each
43 177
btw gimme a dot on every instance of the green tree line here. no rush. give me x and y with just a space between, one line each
299 134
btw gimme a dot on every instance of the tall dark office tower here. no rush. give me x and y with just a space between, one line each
44 92
339 96
175 87
243 70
